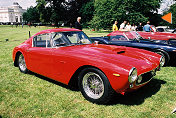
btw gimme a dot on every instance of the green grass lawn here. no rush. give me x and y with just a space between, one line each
31 95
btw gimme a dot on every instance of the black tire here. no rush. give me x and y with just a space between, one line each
22 64
95 86
165 56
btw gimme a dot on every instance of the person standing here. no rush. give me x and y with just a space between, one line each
123 25
78 24
139 27
114 27
147 27
133 27
128 27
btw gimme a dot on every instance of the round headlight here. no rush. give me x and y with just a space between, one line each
162 61
132 75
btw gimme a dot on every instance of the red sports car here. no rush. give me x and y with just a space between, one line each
157 35
68 54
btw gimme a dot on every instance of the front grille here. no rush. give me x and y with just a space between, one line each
146 77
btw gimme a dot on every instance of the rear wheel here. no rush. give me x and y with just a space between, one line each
22 64
95 86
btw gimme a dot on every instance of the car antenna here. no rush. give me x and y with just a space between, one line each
29 34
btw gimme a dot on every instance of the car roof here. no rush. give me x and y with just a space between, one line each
57 30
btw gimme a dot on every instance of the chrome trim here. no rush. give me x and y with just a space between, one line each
144 82
132 69
149 79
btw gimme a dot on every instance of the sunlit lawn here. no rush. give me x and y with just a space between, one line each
31 95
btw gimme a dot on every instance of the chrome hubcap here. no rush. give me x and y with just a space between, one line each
93 85
163 60
22 63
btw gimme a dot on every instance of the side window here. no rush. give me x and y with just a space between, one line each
58 40
73 38
42 40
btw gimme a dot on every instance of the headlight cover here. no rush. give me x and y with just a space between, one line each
132 75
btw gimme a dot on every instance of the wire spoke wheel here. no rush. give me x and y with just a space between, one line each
163 61
93 85
22 63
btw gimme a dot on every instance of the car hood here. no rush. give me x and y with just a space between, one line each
125 57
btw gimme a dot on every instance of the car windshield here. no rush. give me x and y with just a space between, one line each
126 36
76 38
118 38
132 35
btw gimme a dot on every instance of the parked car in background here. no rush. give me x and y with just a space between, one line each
68 55
154 35
166 48
164 29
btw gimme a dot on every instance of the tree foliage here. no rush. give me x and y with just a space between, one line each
97 13
44 11
59 10
87 11
31 15
134 11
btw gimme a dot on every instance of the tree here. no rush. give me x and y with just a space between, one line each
134 11
44 10
87 11
31 15
59 10
51 10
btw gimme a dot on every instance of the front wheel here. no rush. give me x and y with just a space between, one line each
95 86
22 64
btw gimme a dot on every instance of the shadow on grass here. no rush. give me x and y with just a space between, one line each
133 98
138 97
54 82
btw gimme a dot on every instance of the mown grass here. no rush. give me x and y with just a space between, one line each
31 95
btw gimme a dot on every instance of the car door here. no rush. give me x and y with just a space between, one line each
61 58
40 55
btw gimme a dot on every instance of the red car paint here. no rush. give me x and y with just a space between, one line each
60 63
151 35
157 35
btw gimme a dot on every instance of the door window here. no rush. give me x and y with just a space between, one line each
42 40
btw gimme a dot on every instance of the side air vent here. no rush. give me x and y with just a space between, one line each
120 52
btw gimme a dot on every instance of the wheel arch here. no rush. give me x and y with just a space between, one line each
16 58
164 52
74 79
